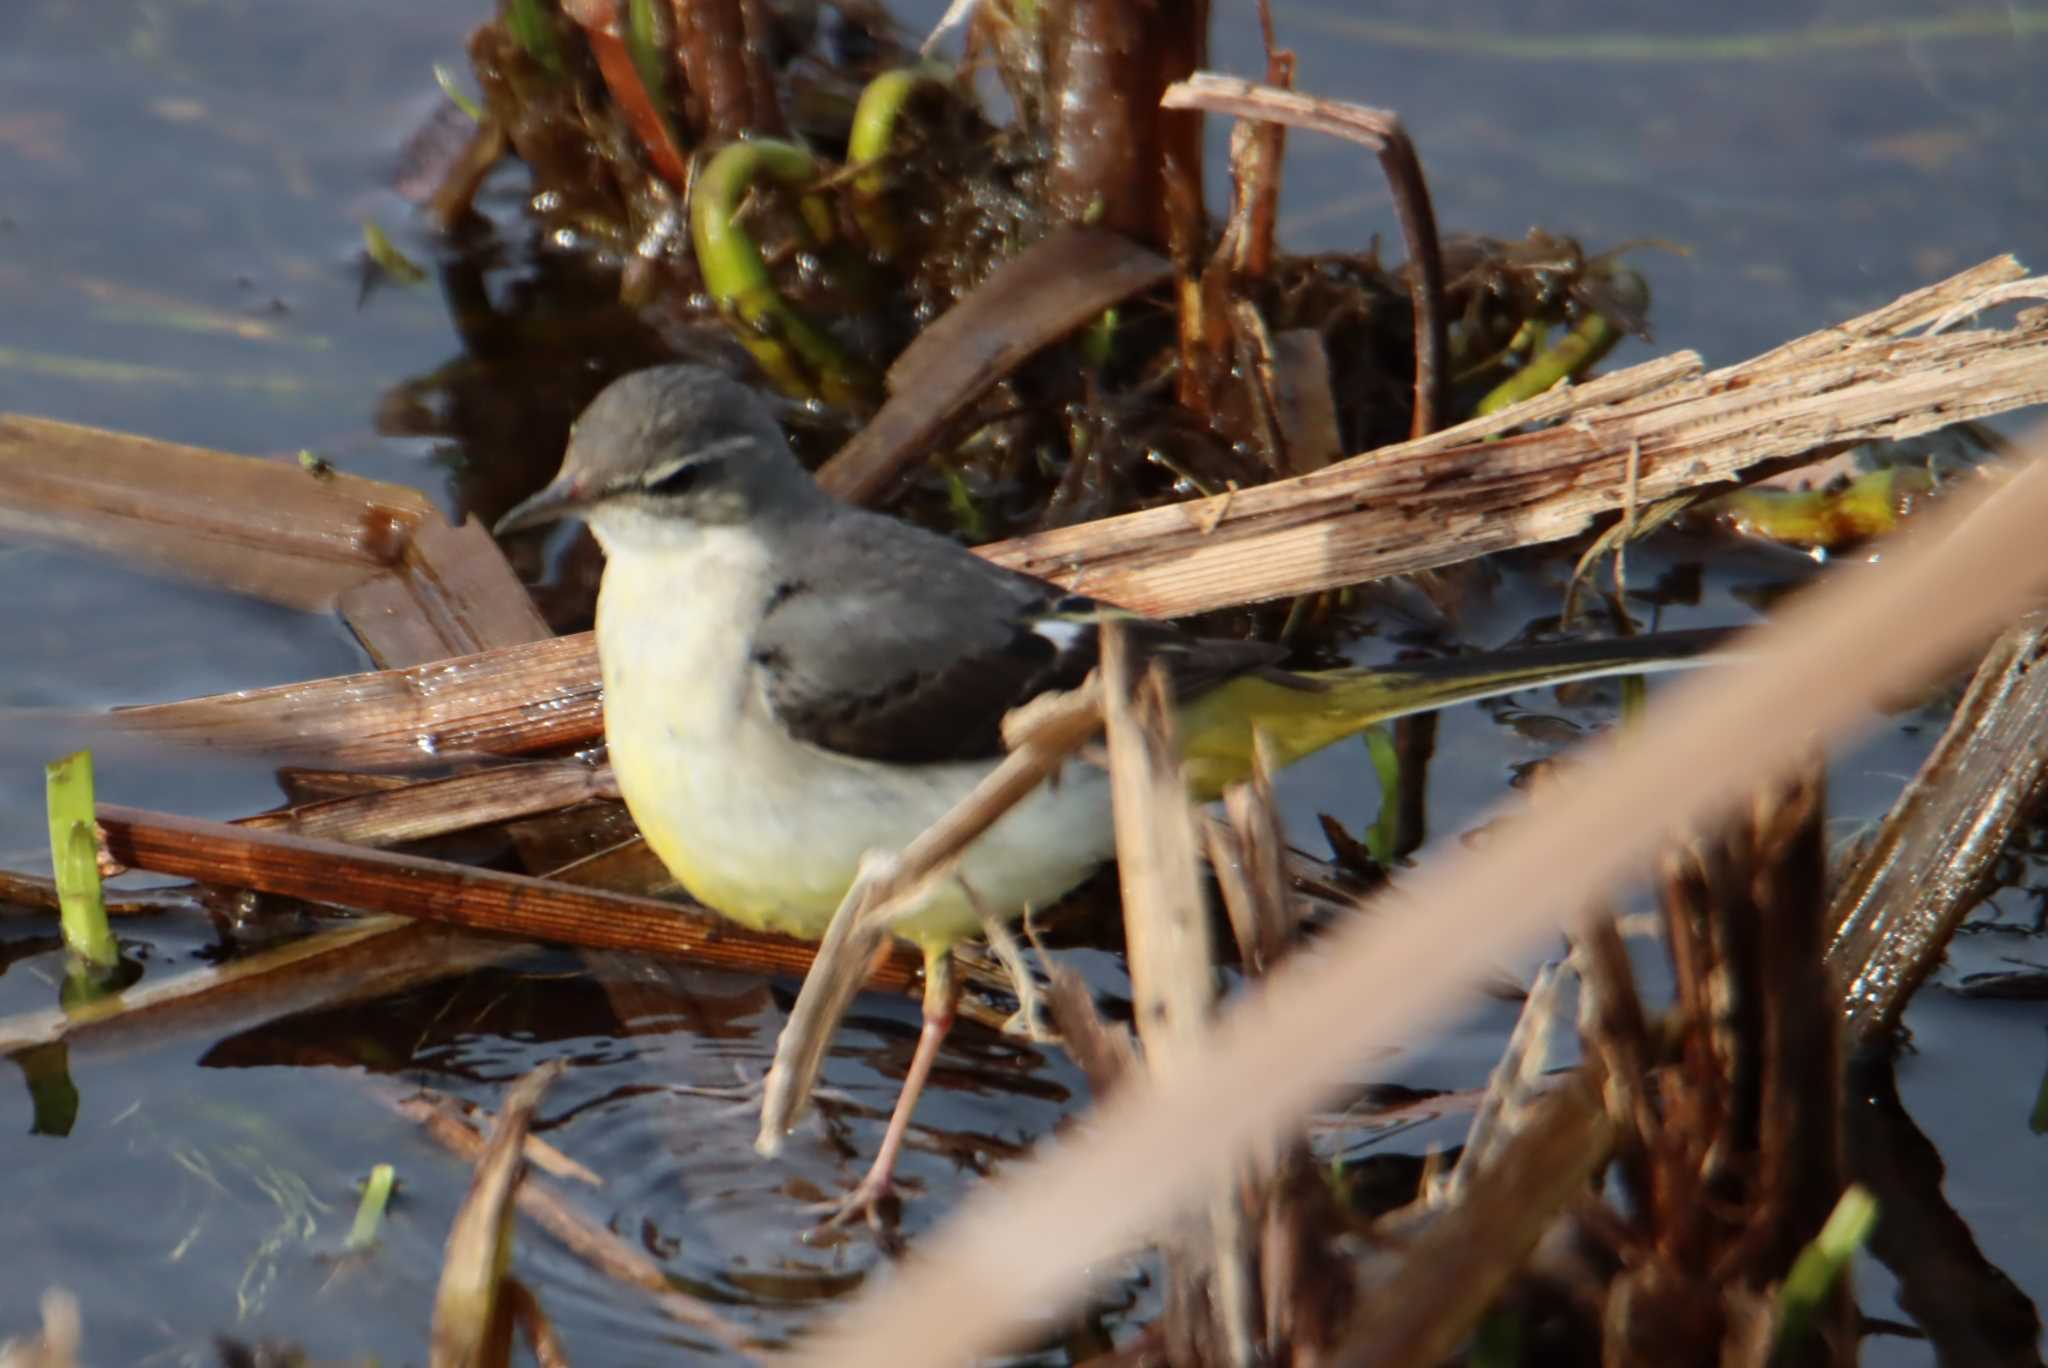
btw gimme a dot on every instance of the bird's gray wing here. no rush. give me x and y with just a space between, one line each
891 644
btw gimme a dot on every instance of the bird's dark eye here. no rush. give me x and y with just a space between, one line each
680 479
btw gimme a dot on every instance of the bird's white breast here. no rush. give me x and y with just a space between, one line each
763 827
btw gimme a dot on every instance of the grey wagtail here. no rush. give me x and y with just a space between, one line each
792 683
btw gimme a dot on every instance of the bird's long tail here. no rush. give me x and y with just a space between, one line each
1304 715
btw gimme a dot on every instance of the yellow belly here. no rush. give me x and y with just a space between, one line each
772 834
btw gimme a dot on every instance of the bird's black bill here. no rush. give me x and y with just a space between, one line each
558 500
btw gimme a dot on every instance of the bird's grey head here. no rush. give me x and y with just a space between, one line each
662 453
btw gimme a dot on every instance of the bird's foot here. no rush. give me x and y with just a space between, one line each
874 1203
1029 1019
744 1094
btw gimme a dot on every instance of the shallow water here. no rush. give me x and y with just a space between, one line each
179 229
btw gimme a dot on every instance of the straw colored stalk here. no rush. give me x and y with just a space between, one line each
472 1326
1628 439
1172 964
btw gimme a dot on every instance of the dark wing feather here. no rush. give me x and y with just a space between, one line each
902 647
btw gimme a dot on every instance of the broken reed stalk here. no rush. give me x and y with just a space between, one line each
1380 131
1467 1252
469 1317
1211 1315
1929 863
1296 1264
1028 1244
443 1115
1731 1141
508 701
464 802
353 963
527 1314
1455 495
1041 294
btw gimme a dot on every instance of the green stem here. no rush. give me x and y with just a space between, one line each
1819 1265
528 23
370 1211
1570 355
1870 505
643 35
74 851
875 121
801 358
1383 837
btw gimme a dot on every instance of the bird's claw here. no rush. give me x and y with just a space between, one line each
874 1203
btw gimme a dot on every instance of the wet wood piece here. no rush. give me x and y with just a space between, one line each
35 894
450 594
265 528
436 890
412 588
545 695
1454 496
1120 157
1038 296
1931 860
416 812
353 963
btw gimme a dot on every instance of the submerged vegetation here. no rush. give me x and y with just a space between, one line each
801 187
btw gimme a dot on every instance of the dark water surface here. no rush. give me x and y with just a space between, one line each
180 221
